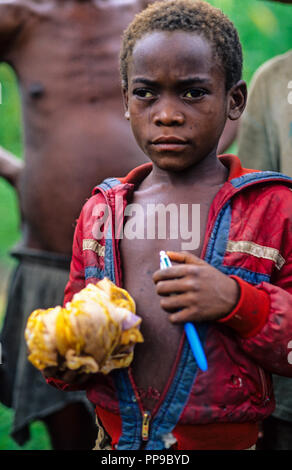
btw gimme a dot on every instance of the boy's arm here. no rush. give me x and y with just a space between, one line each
13 15
270 344
71 380
68 380
261 315
10 167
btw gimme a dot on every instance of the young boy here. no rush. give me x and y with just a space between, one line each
181 75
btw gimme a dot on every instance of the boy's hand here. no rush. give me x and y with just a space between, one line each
72 377
202 292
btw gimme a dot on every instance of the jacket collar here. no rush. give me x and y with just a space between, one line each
230 161
238 178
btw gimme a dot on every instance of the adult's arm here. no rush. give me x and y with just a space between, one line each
13 15
10 167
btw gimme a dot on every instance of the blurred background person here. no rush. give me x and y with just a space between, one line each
265 143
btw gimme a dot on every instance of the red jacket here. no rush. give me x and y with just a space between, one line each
249 237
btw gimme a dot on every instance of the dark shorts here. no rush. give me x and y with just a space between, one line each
38 281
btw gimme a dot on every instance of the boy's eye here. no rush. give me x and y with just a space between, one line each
194 93
143 93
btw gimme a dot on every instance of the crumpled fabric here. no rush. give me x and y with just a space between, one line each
95 332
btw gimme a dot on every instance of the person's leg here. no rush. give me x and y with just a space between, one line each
71 428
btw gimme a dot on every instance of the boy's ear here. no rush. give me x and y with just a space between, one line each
125 100
237 100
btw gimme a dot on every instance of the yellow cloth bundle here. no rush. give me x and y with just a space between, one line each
95 332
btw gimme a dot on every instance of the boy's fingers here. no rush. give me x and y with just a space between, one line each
184 257
178 302
175 286
175 272
67 376
50 371
183 316
74 377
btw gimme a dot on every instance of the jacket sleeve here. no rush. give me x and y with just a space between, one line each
88 217
75 284
263 316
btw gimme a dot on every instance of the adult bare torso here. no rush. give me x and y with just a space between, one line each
65 56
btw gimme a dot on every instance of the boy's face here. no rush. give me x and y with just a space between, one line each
176 98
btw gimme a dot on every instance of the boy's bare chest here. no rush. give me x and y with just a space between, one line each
160 222
152 226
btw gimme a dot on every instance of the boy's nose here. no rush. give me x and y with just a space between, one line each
168 115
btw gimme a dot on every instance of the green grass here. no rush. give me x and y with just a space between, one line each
265 31
39 437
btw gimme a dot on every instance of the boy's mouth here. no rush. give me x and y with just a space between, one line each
171 142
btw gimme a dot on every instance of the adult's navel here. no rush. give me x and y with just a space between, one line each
36 90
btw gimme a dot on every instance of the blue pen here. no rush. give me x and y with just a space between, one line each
190 329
